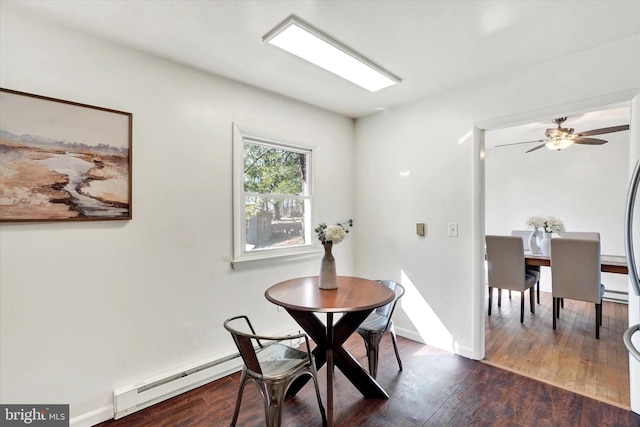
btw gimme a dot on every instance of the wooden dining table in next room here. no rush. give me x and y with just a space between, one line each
608 263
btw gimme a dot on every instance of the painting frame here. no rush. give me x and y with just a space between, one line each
63 161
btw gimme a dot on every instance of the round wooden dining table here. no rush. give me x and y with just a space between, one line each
355 297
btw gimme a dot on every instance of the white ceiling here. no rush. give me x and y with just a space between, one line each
432 45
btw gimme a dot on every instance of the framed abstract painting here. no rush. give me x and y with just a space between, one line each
63 161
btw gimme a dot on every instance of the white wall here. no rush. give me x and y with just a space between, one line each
87 307
585 186
427 139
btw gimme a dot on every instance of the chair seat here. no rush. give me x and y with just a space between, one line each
535 273
373 323
279 360
601 291
531 279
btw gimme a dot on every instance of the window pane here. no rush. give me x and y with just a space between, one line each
270 170
274 223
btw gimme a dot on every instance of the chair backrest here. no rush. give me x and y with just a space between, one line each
387 310
588 235
575 269
524 235
244 341
505 262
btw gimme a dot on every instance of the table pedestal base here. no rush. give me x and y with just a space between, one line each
329 350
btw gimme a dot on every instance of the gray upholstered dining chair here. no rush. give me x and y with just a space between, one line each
379 323
524 235
575 274
272 366
506 270
588 235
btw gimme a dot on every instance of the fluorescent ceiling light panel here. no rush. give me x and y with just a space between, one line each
307 42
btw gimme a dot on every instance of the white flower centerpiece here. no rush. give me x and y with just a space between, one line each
551 225
535 222
328 236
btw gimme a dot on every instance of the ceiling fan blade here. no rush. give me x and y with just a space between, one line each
518 143
589 141
603 130
535 148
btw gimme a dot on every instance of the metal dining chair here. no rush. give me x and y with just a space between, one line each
506 270
272 366
378 323
575 274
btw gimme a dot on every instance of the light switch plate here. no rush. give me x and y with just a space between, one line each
453 229
421 229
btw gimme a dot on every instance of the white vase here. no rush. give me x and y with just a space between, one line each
534 246
545 244
328 277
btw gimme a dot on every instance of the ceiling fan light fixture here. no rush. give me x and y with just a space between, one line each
558 143
311 44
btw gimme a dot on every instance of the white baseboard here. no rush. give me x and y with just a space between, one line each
92 418
415 336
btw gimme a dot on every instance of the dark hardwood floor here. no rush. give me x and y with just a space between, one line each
436 389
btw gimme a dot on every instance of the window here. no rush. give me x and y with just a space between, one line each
273 198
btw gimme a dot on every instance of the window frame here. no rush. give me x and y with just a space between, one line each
241 135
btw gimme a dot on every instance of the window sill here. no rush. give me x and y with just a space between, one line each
266 259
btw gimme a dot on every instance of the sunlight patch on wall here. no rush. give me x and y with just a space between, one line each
426 321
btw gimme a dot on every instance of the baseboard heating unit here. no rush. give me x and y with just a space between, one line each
135 397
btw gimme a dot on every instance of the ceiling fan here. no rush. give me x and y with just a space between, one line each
560 138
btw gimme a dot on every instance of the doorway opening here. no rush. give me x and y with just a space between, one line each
585 186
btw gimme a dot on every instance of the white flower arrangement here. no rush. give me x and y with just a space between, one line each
549 224
333 233
553 225
536 221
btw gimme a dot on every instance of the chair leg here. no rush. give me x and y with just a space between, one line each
532 300
509 293
538 292
392 332
273 395
499 297
322 412
490 298
521 306
559 303
600 312
598 319
243 382
372 342
555 308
